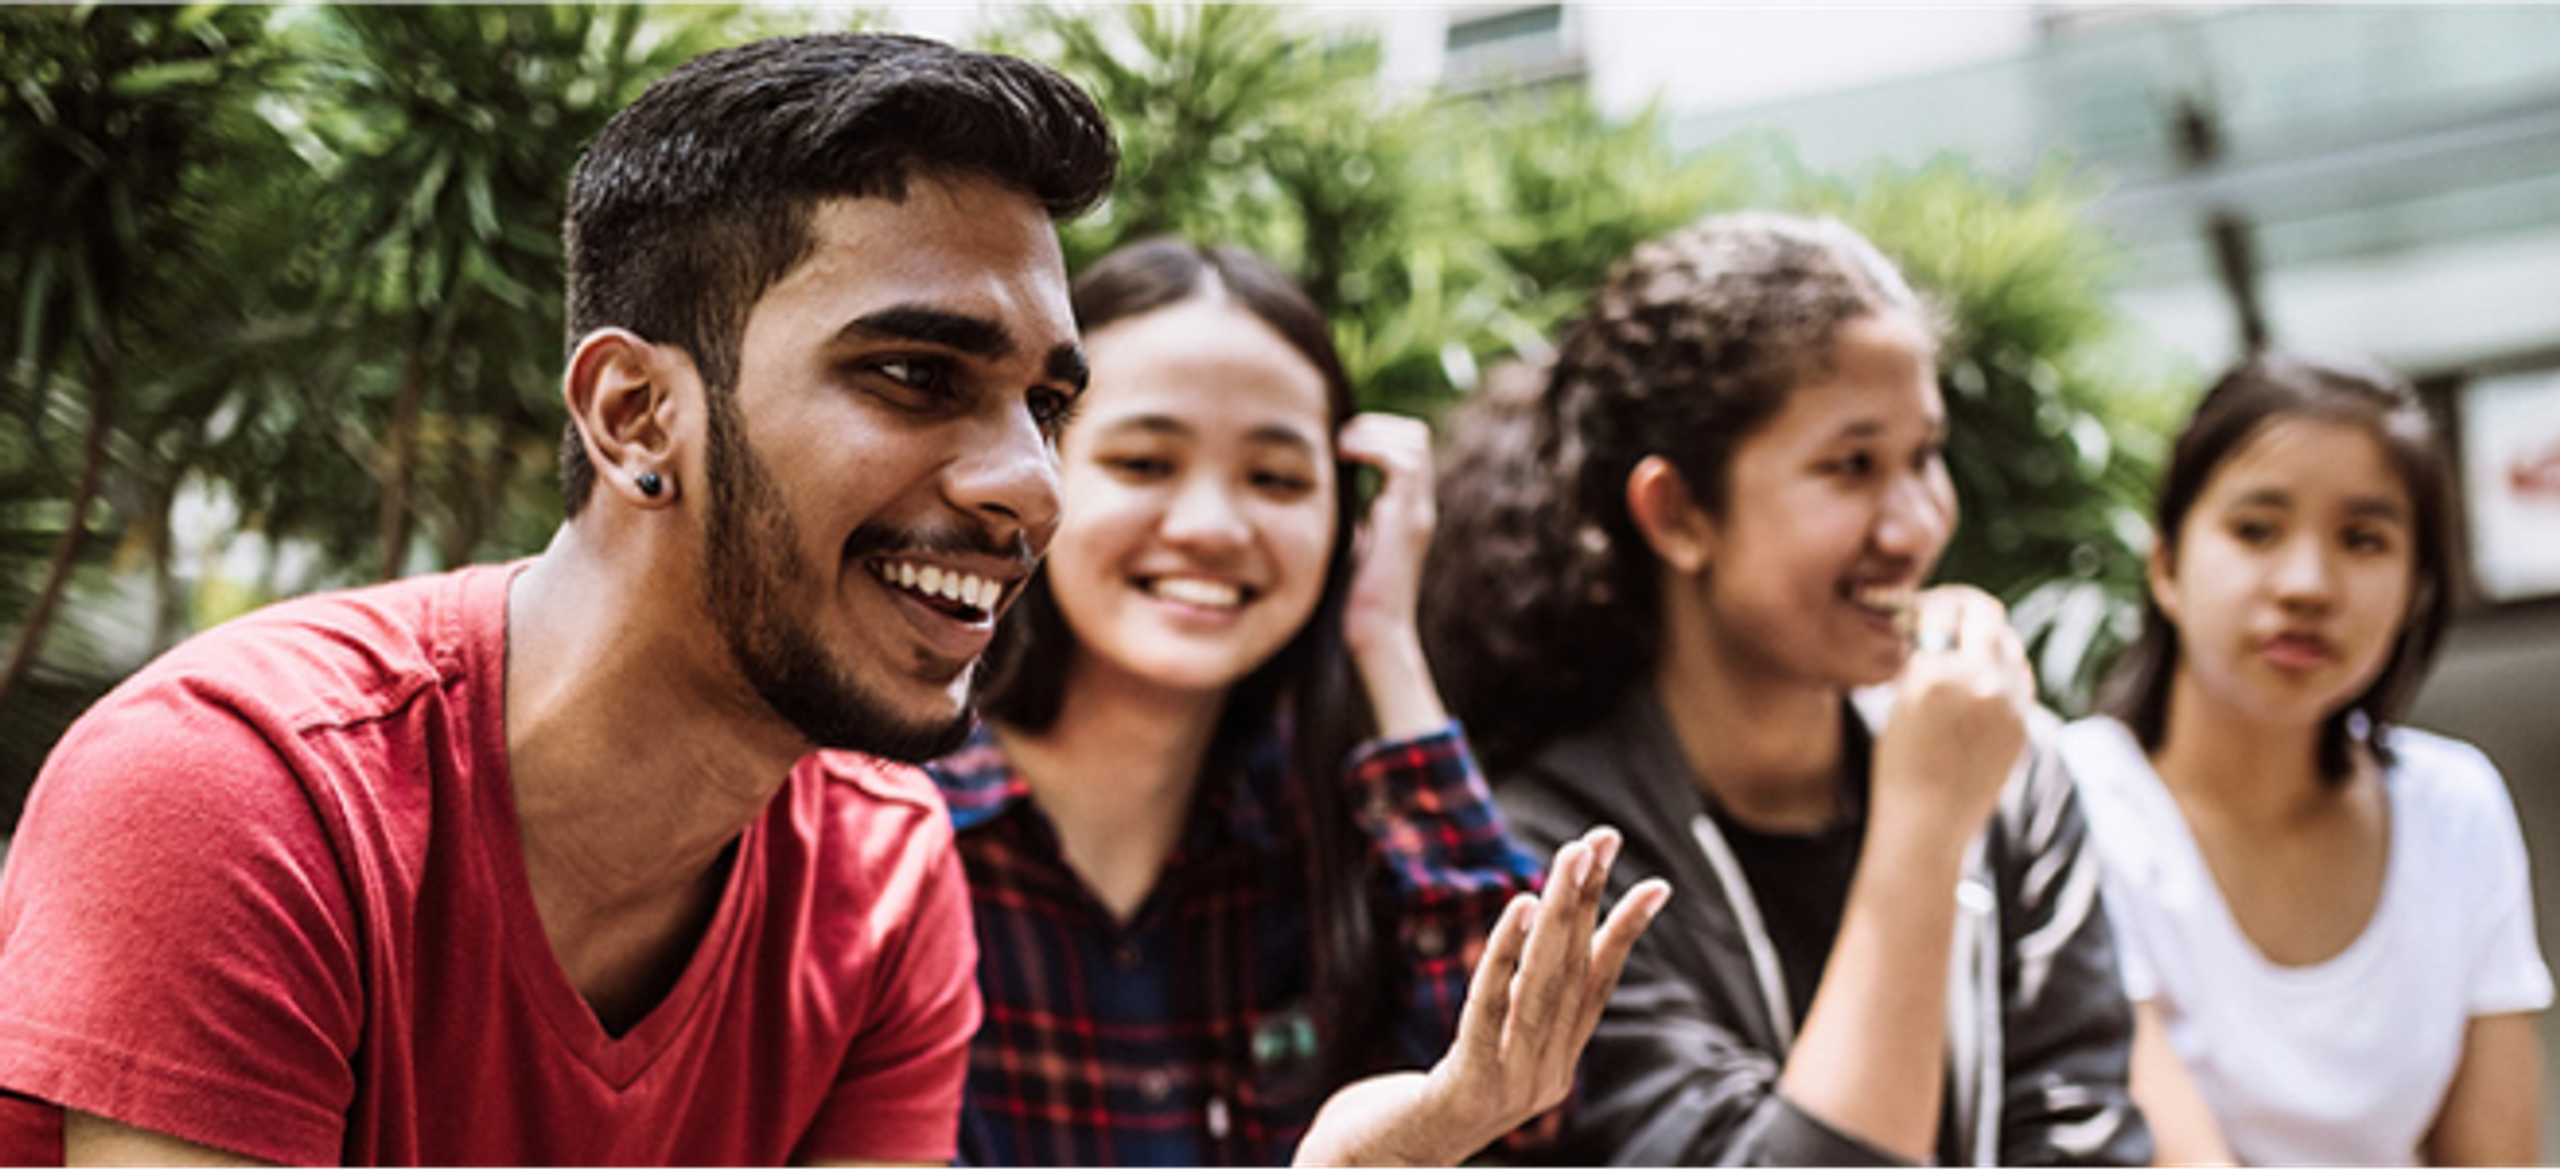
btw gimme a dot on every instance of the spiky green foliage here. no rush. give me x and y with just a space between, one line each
1431 231
445 135
110 125
299 267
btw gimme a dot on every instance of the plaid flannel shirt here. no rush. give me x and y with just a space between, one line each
1183 1037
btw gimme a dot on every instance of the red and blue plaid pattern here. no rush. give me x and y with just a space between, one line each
1183 1037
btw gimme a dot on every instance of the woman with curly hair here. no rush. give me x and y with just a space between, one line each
1678 588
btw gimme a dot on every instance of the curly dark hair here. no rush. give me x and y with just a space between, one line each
1541 602
696 197
2261 390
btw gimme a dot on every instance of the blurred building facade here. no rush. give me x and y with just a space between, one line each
2396 169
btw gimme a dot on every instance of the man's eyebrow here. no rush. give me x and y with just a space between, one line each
977 337
1067 365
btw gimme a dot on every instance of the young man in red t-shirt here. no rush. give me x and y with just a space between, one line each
535 863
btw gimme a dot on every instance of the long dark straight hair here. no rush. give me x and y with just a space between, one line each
2262 390
1309 682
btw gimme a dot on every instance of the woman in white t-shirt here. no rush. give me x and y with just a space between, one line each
2325 919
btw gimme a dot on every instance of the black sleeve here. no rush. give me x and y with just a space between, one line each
2068 1026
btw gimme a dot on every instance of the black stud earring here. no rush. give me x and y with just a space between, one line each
650 484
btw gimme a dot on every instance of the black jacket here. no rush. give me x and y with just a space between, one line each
1684 1067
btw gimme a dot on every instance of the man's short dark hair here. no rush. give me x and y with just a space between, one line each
697 197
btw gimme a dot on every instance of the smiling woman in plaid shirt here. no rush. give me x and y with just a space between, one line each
1227 852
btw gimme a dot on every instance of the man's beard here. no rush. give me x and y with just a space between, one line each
749 559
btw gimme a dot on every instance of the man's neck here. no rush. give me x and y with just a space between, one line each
636 762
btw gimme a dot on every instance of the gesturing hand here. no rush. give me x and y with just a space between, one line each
1531 1006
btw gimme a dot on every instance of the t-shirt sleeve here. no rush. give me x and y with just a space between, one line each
2508 975
898 1097
177 948
2067 1021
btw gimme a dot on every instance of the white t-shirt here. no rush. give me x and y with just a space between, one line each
2344 1061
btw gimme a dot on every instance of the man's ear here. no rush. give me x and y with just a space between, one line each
620 397
1680 532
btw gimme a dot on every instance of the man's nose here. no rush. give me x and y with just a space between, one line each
1009 478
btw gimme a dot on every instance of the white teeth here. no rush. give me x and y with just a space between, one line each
951 585
1194 591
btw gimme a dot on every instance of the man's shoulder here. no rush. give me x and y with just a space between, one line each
878 812
278 717
335 656
305 666
874 832
874 780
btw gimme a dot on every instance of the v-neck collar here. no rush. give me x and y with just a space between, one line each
531 965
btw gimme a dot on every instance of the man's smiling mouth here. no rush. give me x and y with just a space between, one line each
968 597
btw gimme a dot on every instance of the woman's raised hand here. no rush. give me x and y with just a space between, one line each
1547 971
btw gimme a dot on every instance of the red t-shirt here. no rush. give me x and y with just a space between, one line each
269 896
